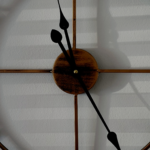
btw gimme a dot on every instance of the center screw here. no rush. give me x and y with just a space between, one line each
75 71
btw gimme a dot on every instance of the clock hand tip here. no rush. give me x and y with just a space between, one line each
112 137
55 36
64 24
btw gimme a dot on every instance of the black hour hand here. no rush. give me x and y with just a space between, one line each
56 38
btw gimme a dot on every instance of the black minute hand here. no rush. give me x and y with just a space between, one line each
57 37
112 137
64 24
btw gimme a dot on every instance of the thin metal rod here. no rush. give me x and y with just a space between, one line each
2 147
74 24
99 70
76 121
146 147
25 71
123 70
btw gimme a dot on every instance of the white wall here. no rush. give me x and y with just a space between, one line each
36 113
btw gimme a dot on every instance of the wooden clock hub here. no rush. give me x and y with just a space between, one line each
64 76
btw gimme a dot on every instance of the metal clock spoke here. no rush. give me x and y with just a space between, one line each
2 147
123 70
76 121
26 70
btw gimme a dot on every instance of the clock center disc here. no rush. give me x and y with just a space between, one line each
63 74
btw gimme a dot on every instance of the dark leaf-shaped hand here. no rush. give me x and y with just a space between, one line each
56 36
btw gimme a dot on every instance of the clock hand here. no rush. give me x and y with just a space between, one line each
64 24
57 37
112 137
92 101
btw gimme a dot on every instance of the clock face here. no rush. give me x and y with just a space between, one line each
35 113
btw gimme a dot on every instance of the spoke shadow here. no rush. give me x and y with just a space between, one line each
139 95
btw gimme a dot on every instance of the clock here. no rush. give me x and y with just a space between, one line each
36 114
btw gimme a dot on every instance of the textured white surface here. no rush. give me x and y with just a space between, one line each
40 14
130 11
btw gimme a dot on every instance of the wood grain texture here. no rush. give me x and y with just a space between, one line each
123 70
64 77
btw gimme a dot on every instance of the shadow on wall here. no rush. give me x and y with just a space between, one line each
9 10
108 56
